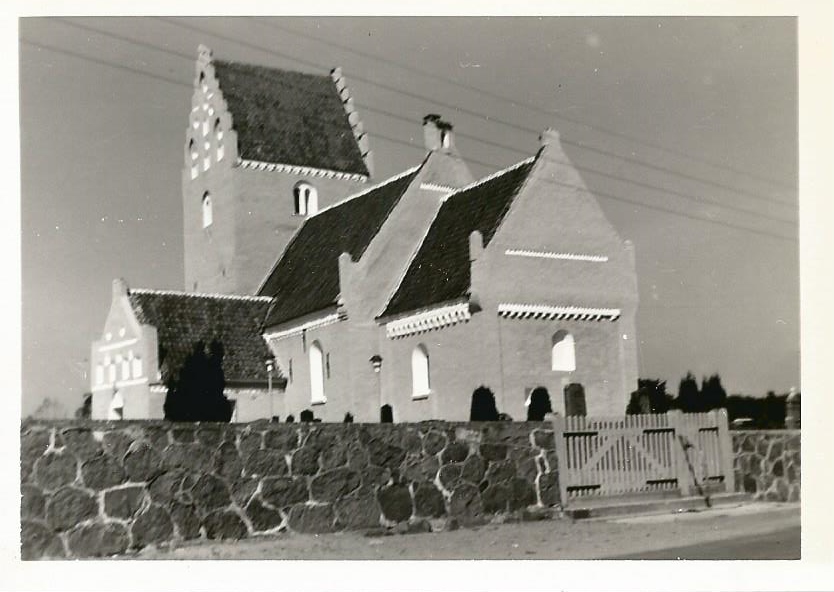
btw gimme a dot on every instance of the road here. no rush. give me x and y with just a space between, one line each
719 533
782 544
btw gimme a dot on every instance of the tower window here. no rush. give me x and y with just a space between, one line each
306 199
192 151
421 385
562 352
203 85
218 133
208 214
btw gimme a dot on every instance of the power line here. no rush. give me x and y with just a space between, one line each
613 197
420 97
514 102
101 62
384 112
394 140
591 170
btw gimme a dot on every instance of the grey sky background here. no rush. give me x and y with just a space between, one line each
103 122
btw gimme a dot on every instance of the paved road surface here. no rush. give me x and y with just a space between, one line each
782 544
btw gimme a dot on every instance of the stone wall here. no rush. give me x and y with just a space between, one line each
768 464
102 488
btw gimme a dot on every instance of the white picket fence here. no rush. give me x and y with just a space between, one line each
674 452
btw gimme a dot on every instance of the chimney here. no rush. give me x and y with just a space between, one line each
549 137
119 288
437 133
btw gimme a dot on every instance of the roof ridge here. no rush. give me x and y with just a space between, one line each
367 190
199 294
215 60
491 176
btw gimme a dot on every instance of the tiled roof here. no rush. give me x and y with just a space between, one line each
306 277
183 319
289 117
440 270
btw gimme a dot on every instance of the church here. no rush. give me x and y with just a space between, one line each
329 291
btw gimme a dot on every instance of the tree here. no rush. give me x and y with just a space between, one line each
650 397
713 394
86 409
688 399
197 393
483 406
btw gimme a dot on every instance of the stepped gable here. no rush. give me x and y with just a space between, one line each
182 319
440 270
287 117
306 277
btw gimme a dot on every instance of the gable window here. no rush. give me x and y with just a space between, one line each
316 374
125 364
420 382
192 150
208 214
306 199
218 133
562 352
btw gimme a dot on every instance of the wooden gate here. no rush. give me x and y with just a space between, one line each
677 453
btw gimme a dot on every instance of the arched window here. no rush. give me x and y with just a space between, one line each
445 139
125 370
316 374
562 354
99 374
218 134
306 199
208 214
192 151
420 383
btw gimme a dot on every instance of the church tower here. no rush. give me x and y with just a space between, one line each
265 148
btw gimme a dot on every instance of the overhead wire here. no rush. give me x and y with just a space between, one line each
488 165
373 109
516 102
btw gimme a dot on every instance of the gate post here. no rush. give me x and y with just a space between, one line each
561 454
725 447
679 454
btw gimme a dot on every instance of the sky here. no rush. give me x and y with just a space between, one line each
684 128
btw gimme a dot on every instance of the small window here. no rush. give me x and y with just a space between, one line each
445 139
290 370
136 364
420 381
99 374
218 134
327 365
125 368
562 353
306 199
111 373
208 214
316 374
203 84
192 149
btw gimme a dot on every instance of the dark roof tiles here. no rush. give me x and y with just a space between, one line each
289 117
306 277
183 319
440 270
